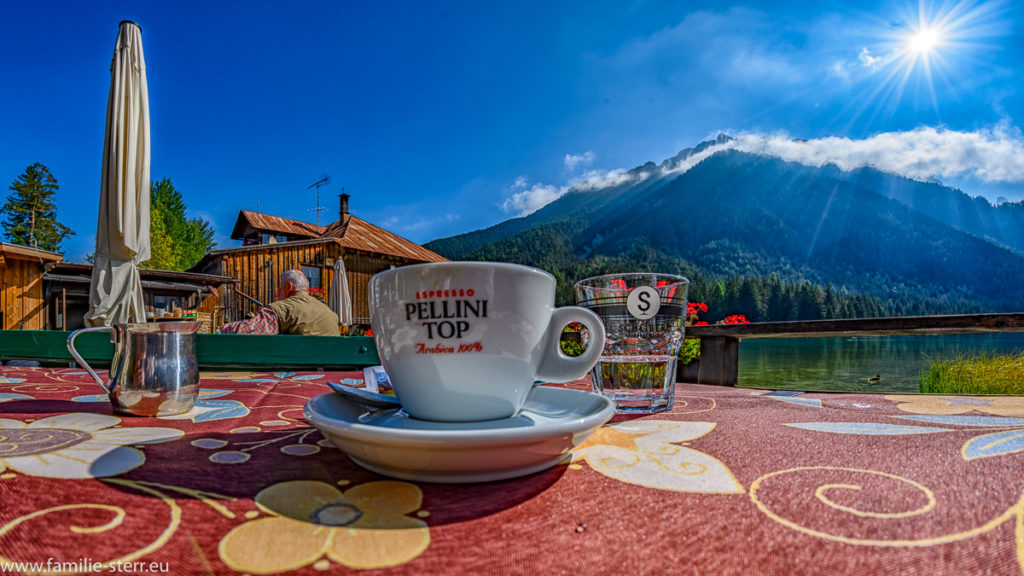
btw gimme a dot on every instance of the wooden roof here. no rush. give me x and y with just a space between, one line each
69 269
16 252
351 233
249 222
358 234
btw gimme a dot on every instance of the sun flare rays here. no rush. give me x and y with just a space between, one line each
924 57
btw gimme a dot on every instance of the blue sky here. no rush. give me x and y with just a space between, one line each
445 117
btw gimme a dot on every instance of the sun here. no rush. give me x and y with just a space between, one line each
920 51
924 41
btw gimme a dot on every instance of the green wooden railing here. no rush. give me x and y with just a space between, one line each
720 351
213 351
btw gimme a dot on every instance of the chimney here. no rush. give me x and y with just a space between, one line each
343 206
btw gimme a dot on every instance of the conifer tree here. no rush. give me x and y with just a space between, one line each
750 300
30 214
177 242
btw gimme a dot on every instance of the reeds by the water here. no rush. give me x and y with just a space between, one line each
985 374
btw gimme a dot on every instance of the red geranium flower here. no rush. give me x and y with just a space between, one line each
736 319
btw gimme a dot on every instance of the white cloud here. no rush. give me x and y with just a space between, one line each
867 59
737 48
597 180
994 155
524 197
527 198
838 70
689 162
990 155
573 161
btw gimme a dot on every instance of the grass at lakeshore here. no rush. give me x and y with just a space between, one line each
987 374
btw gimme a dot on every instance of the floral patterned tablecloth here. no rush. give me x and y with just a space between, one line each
731 481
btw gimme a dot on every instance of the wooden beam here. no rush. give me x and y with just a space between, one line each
719 356
898 326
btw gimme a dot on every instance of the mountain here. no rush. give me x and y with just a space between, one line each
1002 224
739 214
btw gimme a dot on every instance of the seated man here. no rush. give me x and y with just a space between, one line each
293 312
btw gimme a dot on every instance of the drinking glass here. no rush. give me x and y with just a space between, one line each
643 315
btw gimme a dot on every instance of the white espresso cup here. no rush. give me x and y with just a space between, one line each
465 341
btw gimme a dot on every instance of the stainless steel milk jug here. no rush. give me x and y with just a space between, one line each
153 371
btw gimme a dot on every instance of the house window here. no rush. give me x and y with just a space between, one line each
272 238
313 274
163 303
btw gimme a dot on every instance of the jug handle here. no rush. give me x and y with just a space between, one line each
81 361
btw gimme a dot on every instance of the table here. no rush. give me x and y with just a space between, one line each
731 481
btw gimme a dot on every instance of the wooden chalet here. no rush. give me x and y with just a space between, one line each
272 244
22 302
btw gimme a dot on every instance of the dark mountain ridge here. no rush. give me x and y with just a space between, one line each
742 214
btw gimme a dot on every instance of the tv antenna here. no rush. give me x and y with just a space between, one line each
317 209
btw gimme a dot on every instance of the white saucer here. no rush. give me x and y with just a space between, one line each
389 442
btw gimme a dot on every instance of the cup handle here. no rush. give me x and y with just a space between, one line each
81 361
556 366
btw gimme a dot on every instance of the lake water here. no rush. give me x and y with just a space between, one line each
847 363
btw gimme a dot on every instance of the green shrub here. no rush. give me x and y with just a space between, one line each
571 340
995 374
689 351
571 349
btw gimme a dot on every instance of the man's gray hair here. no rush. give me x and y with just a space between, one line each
297 278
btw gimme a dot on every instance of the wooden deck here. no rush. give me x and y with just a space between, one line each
719 357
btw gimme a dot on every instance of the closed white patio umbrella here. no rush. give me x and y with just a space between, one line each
339 299
122 231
